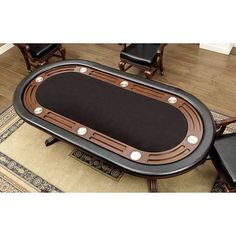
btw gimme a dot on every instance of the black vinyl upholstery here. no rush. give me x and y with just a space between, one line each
143 54
41 50
224 157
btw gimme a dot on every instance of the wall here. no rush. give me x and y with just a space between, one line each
224 48
5 47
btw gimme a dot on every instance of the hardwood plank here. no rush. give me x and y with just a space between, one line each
4 103
209 76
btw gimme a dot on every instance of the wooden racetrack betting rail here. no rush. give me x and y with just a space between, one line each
183 149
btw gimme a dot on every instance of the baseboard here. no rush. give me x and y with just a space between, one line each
5 48
224 48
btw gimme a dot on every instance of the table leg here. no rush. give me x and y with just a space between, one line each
152 183
51 140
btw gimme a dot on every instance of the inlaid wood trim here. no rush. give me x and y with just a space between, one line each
195 125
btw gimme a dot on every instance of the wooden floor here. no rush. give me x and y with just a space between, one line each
209 76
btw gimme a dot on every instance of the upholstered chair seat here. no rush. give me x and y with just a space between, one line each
41 50
144 54
36 55
224 158
147 57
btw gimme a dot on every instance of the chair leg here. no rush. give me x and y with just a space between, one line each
161 64
51 140
63 53
122 65
161 68
148 74
28 66
152 183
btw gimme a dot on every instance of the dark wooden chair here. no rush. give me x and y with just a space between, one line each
223 155
39 54
148 57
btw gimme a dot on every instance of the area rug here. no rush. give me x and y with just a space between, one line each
26 165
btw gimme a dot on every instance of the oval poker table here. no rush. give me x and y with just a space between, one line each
143 126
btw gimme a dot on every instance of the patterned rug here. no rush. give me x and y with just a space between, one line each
13 176
8 184
63 168
17 176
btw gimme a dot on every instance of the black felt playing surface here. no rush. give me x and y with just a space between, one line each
139 121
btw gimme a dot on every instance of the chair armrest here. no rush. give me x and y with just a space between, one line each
161 48
123 45
222 124
22 46
25 50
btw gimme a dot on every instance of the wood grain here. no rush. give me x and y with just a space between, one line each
209 76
